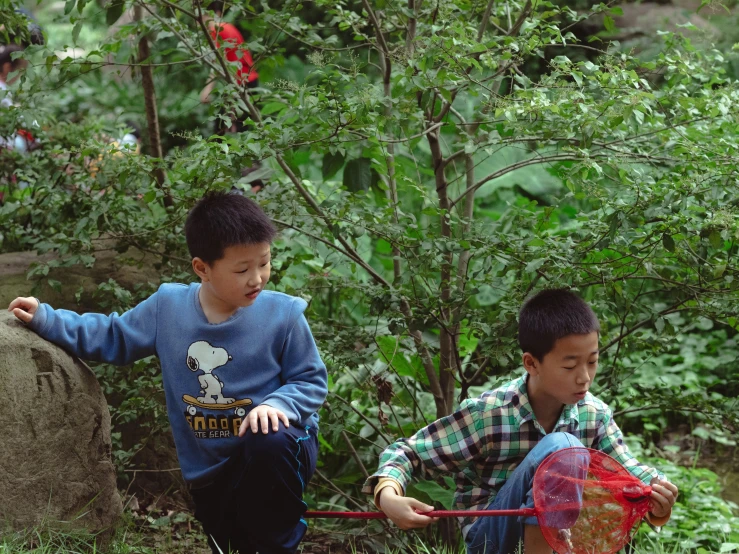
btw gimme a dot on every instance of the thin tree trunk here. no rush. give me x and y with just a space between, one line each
447 358
442 407
152 119
464 257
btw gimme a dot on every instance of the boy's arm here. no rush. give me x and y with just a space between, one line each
610 440
305 381
446 445
113 339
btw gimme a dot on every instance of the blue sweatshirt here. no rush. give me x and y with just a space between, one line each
213 374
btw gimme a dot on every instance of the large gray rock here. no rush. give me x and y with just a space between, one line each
55 443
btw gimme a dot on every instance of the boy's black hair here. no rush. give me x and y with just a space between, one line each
216 7
551 315
135 129
35 32
222 219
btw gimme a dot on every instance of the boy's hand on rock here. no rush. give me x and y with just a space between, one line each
23 308
403 510
265 415
664 495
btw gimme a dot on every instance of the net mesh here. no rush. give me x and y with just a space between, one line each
586 502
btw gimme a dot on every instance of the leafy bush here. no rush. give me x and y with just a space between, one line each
426 182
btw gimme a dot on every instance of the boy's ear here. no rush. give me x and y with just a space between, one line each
531 364
201 269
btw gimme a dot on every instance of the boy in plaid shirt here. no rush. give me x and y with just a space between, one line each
494 443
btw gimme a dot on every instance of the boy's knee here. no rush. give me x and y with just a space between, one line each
557 441
266 446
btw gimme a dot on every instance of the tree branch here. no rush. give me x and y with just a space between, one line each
521 18
512 167
671 310
485 19
152 117
354 454
364 417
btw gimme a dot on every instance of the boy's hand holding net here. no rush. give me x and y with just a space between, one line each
586 502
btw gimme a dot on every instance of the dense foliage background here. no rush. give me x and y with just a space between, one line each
431 164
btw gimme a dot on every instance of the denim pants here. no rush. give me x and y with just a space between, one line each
501 535
255 504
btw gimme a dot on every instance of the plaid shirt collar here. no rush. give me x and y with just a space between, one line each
523 411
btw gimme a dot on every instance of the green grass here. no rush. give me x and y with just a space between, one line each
127 539
130 540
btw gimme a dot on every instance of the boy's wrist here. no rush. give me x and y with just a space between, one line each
384 484
658 521
38 322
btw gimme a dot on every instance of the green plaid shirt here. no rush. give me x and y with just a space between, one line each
483 442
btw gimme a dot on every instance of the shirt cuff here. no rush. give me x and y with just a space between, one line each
384 483
658 521
38 323
282 406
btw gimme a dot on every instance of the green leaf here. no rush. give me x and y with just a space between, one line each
76 31
609 24
701 433
534 265
272 107
81 224
437 493
114 12
332 163
715 239
69 6
392 354
358 175
659 324
668 242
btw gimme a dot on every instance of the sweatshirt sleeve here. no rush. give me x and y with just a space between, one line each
304 377
115 339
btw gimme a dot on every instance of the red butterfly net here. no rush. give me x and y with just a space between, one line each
586 502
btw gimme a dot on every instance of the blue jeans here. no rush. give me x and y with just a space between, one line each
501 535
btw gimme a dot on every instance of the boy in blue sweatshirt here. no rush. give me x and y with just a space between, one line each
242 376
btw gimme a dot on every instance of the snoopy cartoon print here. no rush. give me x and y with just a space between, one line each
202 355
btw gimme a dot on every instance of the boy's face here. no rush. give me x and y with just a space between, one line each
567 372
10 74
235 280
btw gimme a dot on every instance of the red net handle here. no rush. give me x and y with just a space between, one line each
435 513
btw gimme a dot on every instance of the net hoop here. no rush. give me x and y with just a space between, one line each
587 502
